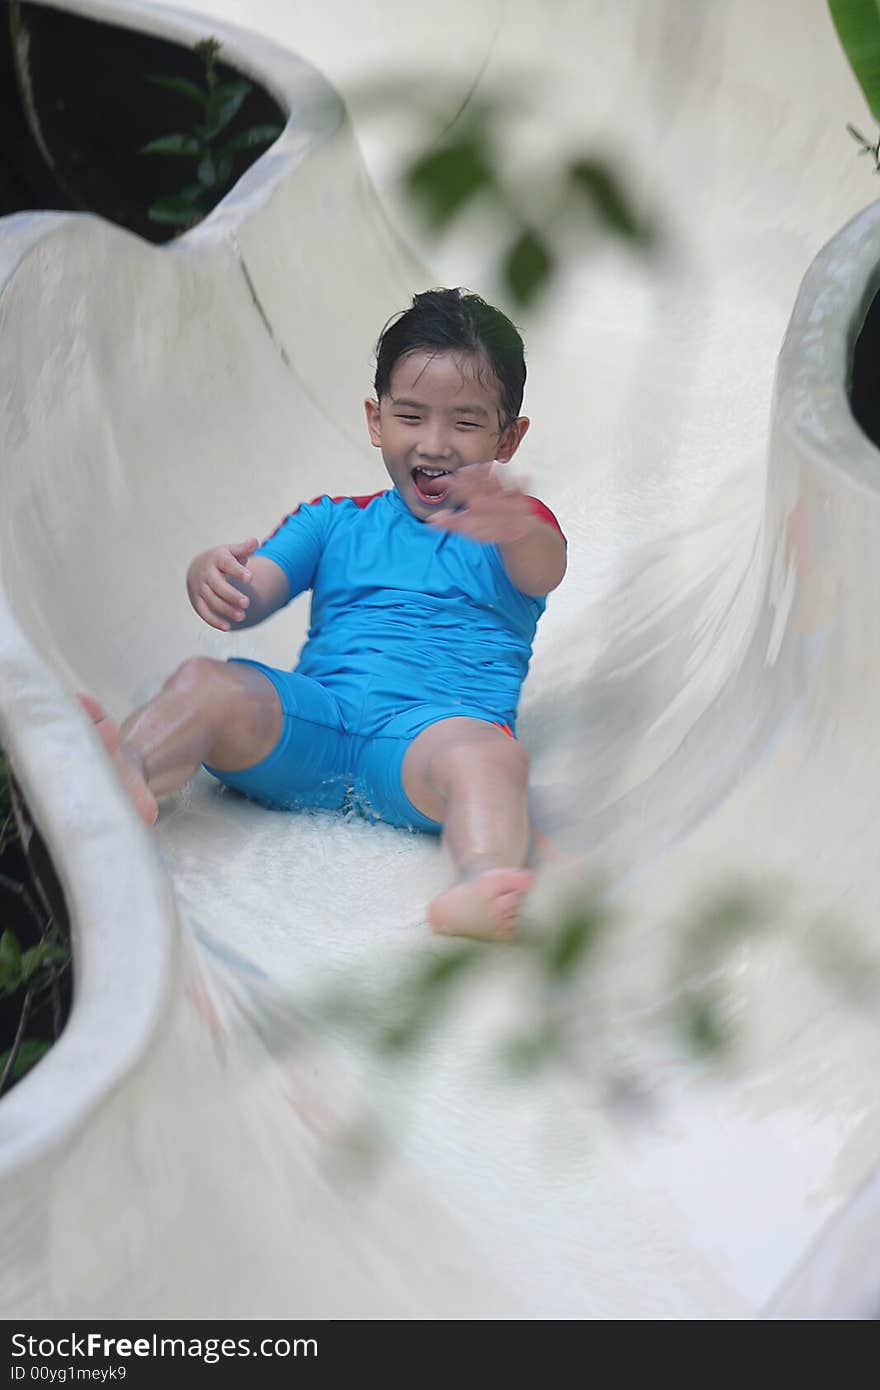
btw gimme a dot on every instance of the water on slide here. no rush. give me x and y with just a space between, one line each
698 711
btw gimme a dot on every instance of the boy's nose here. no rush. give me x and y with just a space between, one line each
434 444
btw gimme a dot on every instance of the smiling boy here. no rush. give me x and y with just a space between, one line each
425 601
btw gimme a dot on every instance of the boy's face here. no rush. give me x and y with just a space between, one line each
438 417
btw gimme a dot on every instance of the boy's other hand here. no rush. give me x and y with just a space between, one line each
489 511
209 583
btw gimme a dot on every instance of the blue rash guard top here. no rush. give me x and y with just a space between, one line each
403 614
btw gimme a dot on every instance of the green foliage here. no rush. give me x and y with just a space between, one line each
703 1026
10 962
528 266
32 967
252 138
720 927
858 27
705 945
34 974
179 209
460 169
606 199
866 146
26 1055
185 145
28 975
181 86
442 182
219 103
567 949
419 1000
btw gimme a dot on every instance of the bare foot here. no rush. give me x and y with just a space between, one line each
125 762
486 906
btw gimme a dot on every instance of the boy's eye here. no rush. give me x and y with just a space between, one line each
410 419
469 424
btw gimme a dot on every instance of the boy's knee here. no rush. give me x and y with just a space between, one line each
478 758
515 759
198 673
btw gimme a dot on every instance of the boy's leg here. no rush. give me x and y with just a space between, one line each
225 714
473 779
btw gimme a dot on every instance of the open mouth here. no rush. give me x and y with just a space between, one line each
431 485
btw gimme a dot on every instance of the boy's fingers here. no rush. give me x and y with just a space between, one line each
245 548
227 564
222 607
472 478
228 592
446 520
463 524
207 616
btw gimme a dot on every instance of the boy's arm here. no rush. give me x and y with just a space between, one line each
532 547
229 589
536 563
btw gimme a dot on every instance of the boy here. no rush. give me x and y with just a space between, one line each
425 602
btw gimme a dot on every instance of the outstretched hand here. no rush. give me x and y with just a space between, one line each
487 510
211 594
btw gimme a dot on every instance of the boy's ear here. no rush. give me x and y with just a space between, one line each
511 439
373 422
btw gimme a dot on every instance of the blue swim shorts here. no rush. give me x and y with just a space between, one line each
321 763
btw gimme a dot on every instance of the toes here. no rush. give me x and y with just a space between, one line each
129 771
506 909
487 907
93 708
507 904
104 725
521 880
109 735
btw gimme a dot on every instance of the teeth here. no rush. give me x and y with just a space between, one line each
433 472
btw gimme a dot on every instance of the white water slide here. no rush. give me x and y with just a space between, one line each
701 713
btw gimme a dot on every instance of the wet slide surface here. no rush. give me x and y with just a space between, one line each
699 712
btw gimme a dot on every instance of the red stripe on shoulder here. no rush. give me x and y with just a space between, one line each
539 510
358 501
313 502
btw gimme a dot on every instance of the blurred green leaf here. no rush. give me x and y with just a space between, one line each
10 961
29 1053
207 49
443 181
867 147
177 209
442 970
33 958
527 267
180 84
253 138
703 1025
207 172
224 105
576 937
607 198
858 27
529 1051
403 1035
186 145
419 998
720 926
843 962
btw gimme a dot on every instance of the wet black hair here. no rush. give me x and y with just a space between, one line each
456 321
